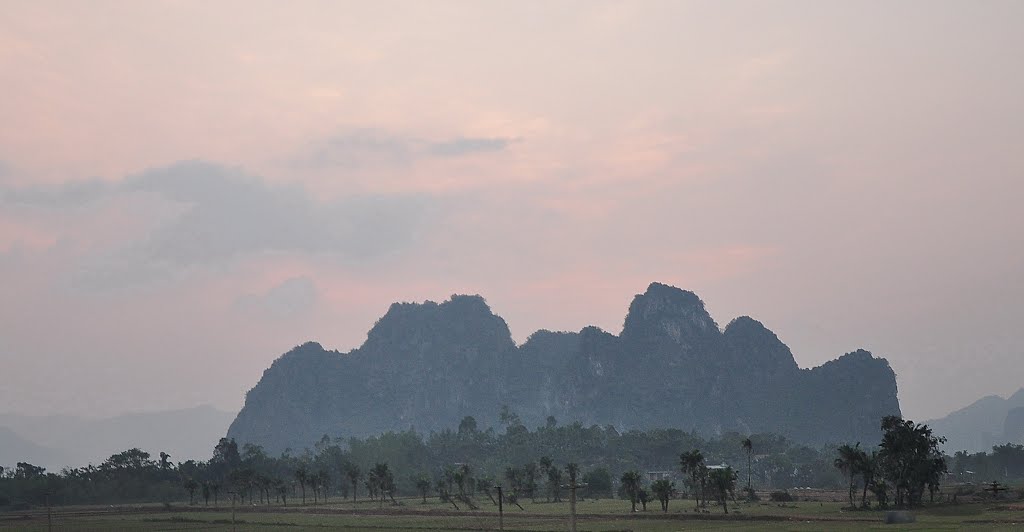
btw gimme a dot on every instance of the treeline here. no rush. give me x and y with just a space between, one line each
1005 462
449 464
464 465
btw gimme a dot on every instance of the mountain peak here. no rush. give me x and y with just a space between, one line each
665 310
754 343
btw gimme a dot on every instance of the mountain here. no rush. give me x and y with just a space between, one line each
14 449
74 441
426 366
988 421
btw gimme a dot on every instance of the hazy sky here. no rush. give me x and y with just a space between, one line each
189 189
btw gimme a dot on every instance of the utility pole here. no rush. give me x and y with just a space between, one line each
232 492
49 513
501 513
572 503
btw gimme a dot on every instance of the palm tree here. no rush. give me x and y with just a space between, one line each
692 464
631 481
868 465
383 480
573 469
663 490
749 447
723 481
847 463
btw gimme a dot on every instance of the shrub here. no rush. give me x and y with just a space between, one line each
781 496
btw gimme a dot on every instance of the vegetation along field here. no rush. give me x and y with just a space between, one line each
483 480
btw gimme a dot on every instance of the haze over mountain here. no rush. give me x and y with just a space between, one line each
190 189
57 441
991 420
425 366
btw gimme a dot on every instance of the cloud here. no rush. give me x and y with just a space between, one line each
370 147
465 146
66 194
293 297
222 214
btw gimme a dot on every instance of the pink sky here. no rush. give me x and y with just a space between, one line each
189 189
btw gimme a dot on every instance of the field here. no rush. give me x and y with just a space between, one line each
603 515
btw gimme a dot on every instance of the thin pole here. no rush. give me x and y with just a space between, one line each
49 514
572 507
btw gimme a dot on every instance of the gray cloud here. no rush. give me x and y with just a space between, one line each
293 297
370 147
67 194
226 214
464 146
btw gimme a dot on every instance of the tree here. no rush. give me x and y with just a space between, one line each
467 425
573 470
302 476
723 482
545 465
910 458
380 482
598 481
353 473
165 463
225 456
191 485
555 483
691 463
867 466
644 498
530 473
631 485
663 491
848 462
325 483
749 447
423 485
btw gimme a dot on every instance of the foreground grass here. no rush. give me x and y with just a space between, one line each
596 516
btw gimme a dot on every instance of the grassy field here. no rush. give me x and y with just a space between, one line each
597 516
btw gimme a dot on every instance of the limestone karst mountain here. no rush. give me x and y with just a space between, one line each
991 420
426 366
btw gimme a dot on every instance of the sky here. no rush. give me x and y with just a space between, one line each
189 189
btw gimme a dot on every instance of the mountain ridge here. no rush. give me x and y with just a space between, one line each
426 365
991 420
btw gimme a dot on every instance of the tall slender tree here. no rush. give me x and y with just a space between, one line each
353 473
847 462
631 485
749 447
691 463
302 476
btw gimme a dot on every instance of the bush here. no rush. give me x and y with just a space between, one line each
781 496
750 495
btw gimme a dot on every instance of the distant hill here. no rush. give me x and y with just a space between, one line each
14 449
184 434
982 424
425 366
